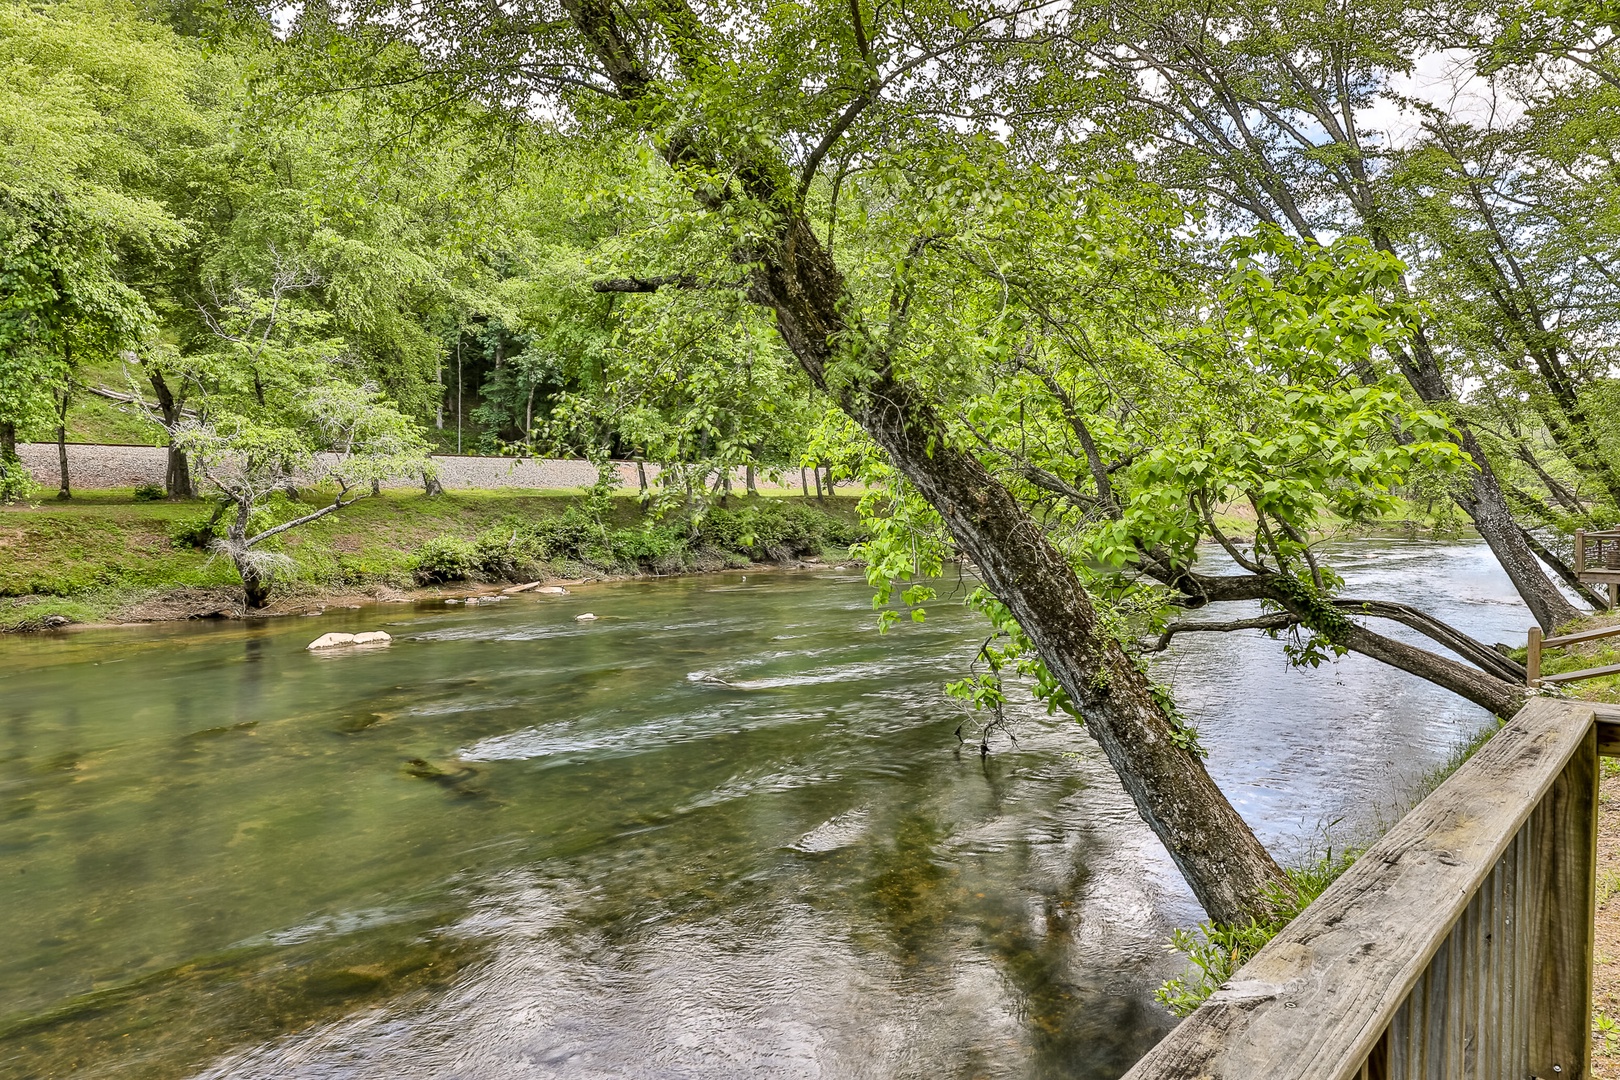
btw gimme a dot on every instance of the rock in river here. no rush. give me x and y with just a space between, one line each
373 637
327 641
587 617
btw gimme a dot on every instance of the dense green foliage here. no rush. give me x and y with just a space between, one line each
521 549
1062 285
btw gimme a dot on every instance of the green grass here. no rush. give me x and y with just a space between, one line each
85 558
1605 652
93 419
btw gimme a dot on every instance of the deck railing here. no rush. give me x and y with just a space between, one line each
1532 659
1459 945
1597 560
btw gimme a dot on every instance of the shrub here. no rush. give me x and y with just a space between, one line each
445 558
149 493
197 532
15 483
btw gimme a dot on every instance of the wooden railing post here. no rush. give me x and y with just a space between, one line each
1580 551
1458 947
1566 878
1532 659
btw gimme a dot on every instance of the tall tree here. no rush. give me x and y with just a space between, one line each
1263 106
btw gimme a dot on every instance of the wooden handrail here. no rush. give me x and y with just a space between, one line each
1459 945
1532 657
1605 571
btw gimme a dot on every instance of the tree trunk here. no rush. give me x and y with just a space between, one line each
641 476
1228 869
255 583
816 470
1485 503
749 479
9 462
830 486
804 484
177 475
794 276
430 483
65 491
255 587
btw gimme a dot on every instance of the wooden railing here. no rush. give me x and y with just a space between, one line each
1597 560
1532 659
1459 945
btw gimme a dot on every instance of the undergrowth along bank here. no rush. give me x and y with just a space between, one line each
83 560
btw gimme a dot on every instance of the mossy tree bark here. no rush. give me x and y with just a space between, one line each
795 277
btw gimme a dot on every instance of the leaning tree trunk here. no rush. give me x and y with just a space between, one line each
795 276
1484 502
1229 870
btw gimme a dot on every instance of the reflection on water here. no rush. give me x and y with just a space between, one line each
725 830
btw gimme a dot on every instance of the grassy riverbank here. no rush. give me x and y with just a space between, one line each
106 556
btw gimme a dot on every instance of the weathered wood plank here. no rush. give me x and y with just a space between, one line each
1584 635
1608 730
1565 898
1584 673
1598 576
1314 1003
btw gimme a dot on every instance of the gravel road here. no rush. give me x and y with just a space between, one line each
92 466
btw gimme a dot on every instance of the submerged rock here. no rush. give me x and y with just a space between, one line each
587 617
328 641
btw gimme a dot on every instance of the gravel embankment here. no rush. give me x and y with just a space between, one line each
93 466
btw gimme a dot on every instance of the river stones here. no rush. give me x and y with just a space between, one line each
587 617
334 641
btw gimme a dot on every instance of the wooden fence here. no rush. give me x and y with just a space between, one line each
1532 659
1597 560
1459 945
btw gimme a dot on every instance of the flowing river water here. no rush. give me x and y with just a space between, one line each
726 830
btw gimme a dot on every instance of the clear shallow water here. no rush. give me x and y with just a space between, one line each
724 831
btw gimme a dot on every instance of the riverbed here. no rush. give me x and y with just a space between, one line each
727 829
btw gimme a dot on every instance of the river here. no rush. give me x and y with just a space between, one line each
725 830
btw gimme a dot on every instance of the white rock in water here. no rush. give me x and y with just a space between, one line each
452 601
587 617
552 590
373 637
327 641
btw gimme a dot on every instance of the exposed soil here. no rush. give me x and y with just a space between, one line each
1606 958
